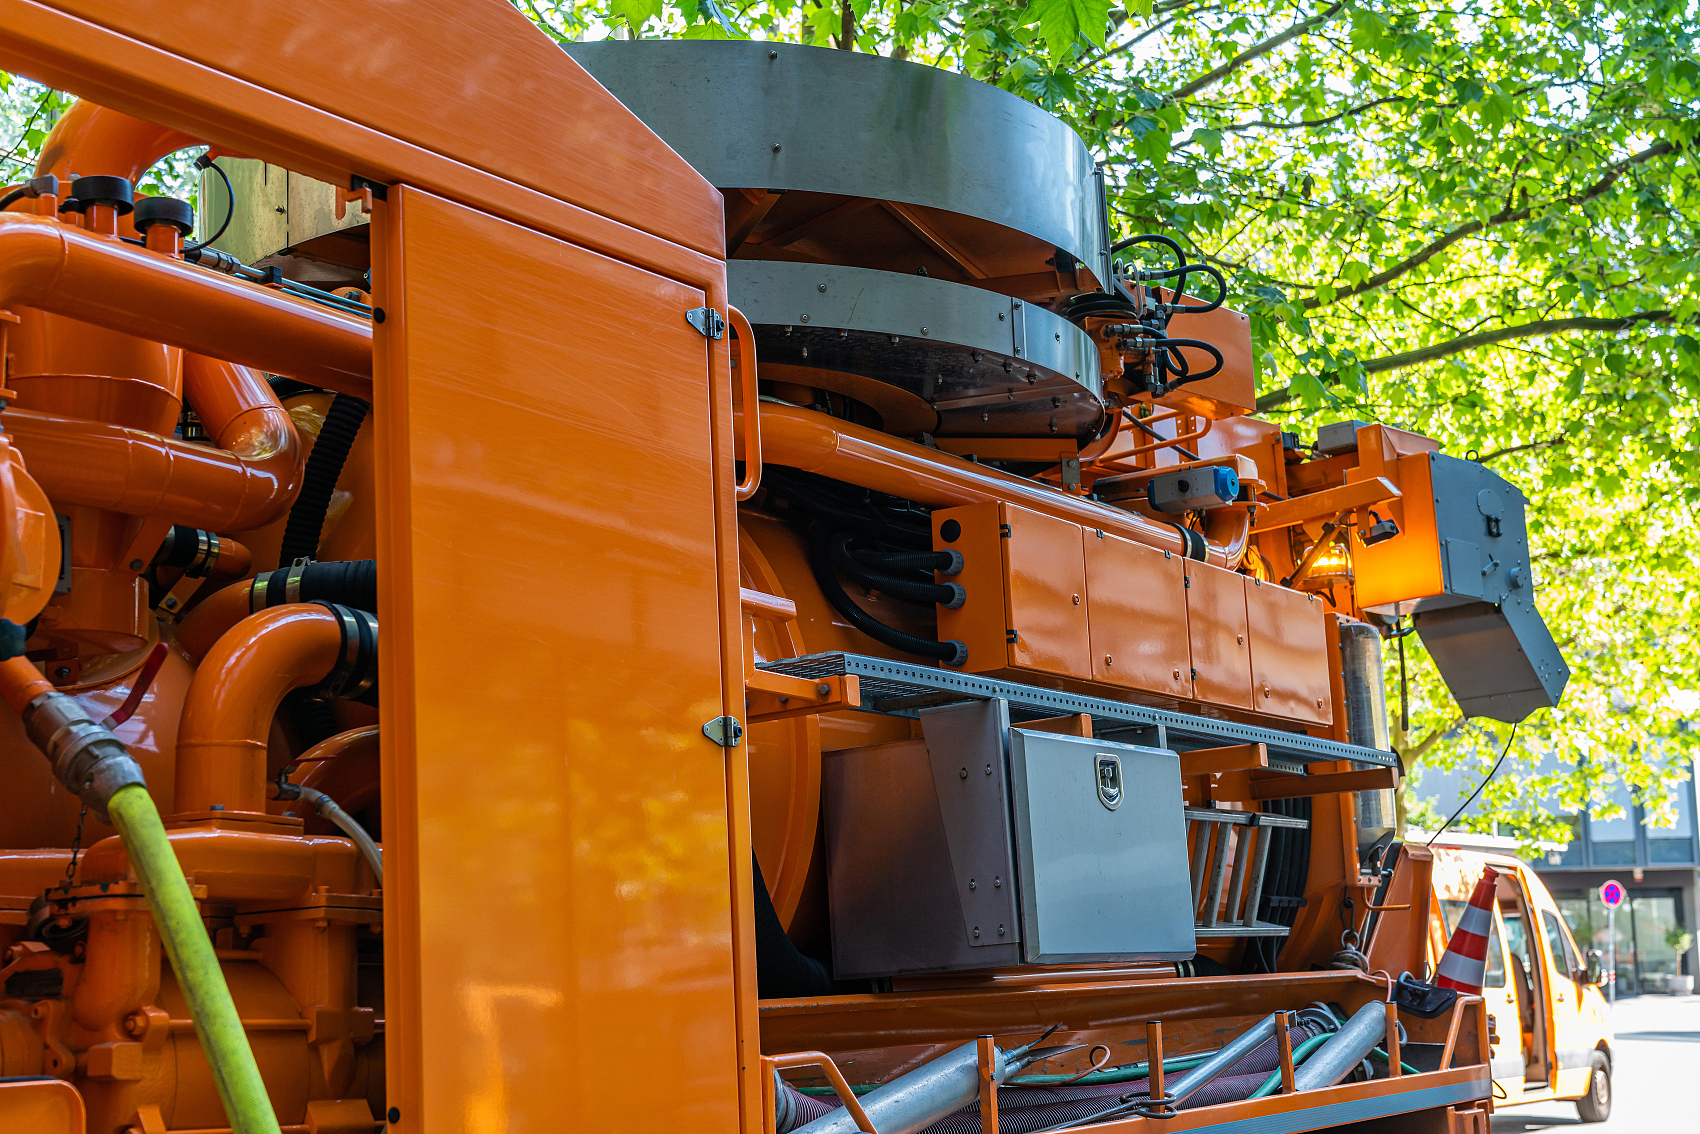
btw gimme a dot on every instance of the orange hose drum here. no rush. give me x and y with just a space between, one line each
227 716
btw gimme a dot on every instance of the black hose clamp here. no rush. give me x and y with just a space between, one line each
356 668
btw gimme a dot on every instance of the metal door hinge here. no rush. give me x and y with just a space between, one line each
728 732
709 322
1012 637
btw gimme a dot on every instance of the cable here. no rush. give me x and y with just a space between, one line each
950 652
205 162
14 197
1491 773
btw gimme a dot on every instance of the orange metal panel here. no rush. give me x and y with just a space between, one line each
446 79
1406 567
552 646
1216 623
1136 604
42 1106
982 621
1289 653
1045 577
1234 390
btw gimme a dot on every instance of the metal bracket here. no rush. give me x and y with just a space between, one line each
728 732
710 323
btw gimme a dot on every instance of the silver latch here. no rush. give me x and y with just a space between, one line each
728 732
709 322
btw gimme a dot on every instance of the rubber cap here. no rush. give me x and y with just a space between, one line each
102 190
165 210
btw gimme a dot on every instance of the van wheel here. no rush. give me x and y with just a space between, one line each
1595 1106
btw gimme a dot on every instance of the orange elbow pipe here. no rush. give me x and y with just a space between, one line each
203 626
813 442
96 465
227 715
101 280
89 138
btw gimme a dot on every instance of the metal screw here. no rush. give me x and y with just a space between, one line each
1000 316
1076 600
923 330
136 565
976 931
1000 931
1108 660
776 147
804 319
820 287
773 55
997 883
61 672
1059 336
822 689
988 769
973 885
965 773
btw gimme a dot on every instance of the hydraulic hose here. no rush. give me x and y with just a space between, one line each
327 808
947 562
948 595
190 951
950 652
324 466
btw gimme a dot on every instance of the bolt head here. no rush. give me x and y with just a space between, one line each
963 774
820 287
776 147
822 689
136 564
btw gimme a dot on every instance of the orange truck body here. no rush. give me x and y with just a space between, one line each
587 722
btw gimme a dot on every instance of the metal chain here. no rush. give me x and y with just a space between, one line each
76 848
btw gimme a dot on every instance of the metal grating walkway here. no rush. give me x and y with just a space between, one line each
903 689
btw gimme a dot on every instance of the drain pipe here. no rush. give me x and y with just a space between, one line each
96 766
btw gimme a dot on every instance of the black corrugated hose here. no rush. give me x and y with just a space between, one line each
324 466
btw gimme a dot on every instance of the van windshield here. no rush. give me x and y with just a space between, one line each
1450 911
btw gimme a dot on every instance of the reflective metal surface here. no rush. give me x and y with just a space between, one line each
990 365
783 116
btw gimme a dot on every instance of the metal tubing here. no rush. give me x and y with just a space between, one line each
1347 1048
1260 865
917 1100
227 714
101 280
1218 867
813 442
327 808
1199 1077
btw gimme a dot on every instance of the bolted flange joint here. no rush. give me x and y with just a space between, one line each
85 756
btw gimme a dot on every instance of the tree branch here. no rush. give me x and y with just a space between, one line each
1504 216
1282 396
1509 449
1211 78
1266 124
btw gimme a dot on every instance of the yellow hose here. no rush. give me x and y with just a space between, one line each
190 951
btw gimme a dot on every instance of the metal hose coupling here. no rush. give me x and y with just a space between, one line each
86 757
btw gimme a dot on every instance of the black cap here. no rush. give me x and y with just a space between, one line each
165 210
102 190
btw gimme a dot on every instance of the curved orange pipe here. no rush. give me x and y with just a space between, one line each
97 465
813 442
99 279
203 626
89 138
227 714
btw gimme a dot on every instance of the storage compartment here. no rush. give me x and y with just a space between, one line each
1136 599
1216 624
982 846
1289 653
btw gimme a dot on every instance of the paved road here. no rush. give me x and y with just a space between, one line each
1655 1073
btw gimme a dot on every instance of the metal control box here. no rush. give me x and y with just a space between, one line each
982 846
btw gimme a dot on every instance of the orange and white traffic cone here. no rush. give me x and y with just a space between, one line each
1464 966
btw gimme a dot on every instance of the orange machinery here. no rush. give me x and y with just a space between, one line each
461 510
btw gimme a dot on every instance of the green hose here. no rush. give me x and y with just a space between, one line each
1299 1055
1112 1075
190 951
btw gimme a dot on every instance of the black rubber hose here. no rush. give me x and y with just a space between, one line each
350 582
947 562
14 197
949 595
324 466
820 563
782 971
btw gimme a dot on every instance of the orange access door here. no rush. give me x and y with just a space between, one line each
558 921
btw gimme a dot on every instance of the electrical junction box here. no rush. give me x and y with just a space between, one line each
984 846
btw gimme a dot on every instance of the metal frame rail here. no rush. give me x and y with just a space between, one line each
903 689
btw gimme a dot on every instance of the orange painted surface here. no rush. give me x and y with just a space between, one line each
91 139
489 55
1288 634
982 621
1408 566
583 798
1216 626
1138 615
48 1106
1045 577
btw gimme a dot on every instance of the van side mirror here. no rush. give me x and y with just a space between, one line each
1596 973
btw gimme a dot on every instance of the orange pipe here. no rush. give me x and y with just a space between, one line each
21 682
96 279
227 714
96 465
813 442
203 626
89 138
